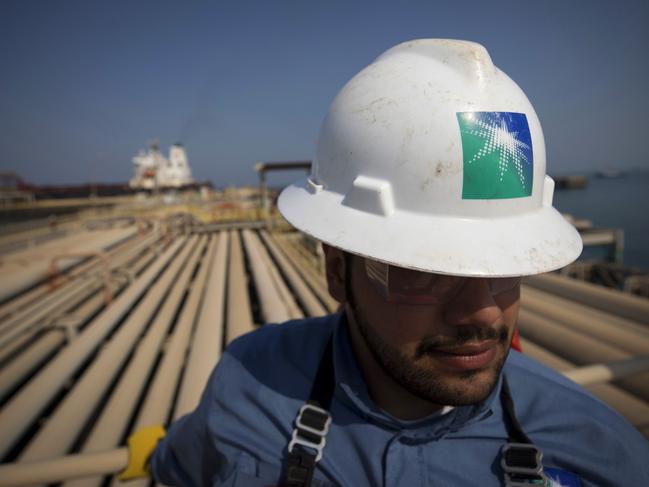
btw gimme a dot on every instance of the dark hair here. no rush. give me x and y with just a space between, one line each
349 260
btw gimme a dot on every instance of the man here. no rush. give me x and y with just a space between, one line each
430 195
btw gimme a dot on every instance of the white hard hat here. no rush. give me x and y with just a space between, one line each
431 158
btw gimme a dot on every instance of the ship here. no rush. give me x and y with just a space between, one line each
154 171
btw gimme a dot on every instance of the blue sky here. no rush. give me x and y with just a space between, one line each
85 84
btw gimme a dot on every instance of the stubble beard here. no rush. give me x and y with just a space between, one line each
420 376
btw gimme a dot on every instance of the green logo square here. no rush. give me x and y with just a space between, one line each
497 155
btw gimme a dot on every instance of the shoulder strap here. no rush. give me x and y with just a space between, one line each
311 425
520 458
323 387
514 430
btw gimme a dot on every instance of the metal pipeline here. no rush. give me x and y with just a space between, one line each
610 300
158 402
315 280
67 420
111 425
19 413
207 342
19 368
35 348
25 302
626 335
239 316
68 467
33 318
19 276
633 409
578 348
273 310
304 294
598 373
279 283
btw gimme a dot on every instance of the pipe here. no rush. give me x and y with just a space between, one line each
597 373
59 330
28 268
609 300
68 467
578 348
239 316
304 294
24 407
294 311
8 353
57 333
273 310
19 277
67 420
26 323
599 237
633 409
33 318
19 368
55 275
158 402
111 425
628 336
316 280
34 297
207 342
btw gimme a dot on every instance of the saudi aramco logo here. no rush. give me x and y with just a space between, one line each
497 154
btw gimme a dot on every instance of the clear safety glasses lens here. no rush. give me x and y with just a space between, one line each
407 286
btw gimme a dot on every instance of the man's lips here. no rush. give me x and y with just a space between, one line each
472 348
468 356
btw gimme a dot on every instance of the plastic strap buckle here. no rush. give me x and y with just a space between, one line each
522 465
311 428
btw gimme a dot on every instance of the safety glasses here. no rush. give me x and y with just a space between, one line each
407 286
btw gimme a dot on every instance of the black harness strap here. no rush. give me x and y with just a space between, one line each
520 458
516 433
322 391
311 425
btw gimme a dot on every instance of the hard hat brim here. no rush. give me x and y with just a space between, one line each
519 245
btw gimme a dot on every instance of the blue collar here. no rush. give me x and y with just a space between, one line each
349 378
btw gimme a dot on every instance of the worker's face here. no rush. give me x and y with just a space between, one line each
448 353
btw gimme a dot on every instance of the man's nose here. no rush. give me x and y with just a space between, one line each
473 305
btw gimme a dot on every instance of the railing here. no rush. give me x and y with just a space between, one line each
113 461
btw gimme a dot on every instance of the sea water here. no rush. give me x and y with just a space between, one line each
620 202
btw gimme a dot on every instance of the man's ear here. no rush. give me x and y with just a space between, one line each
335 268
